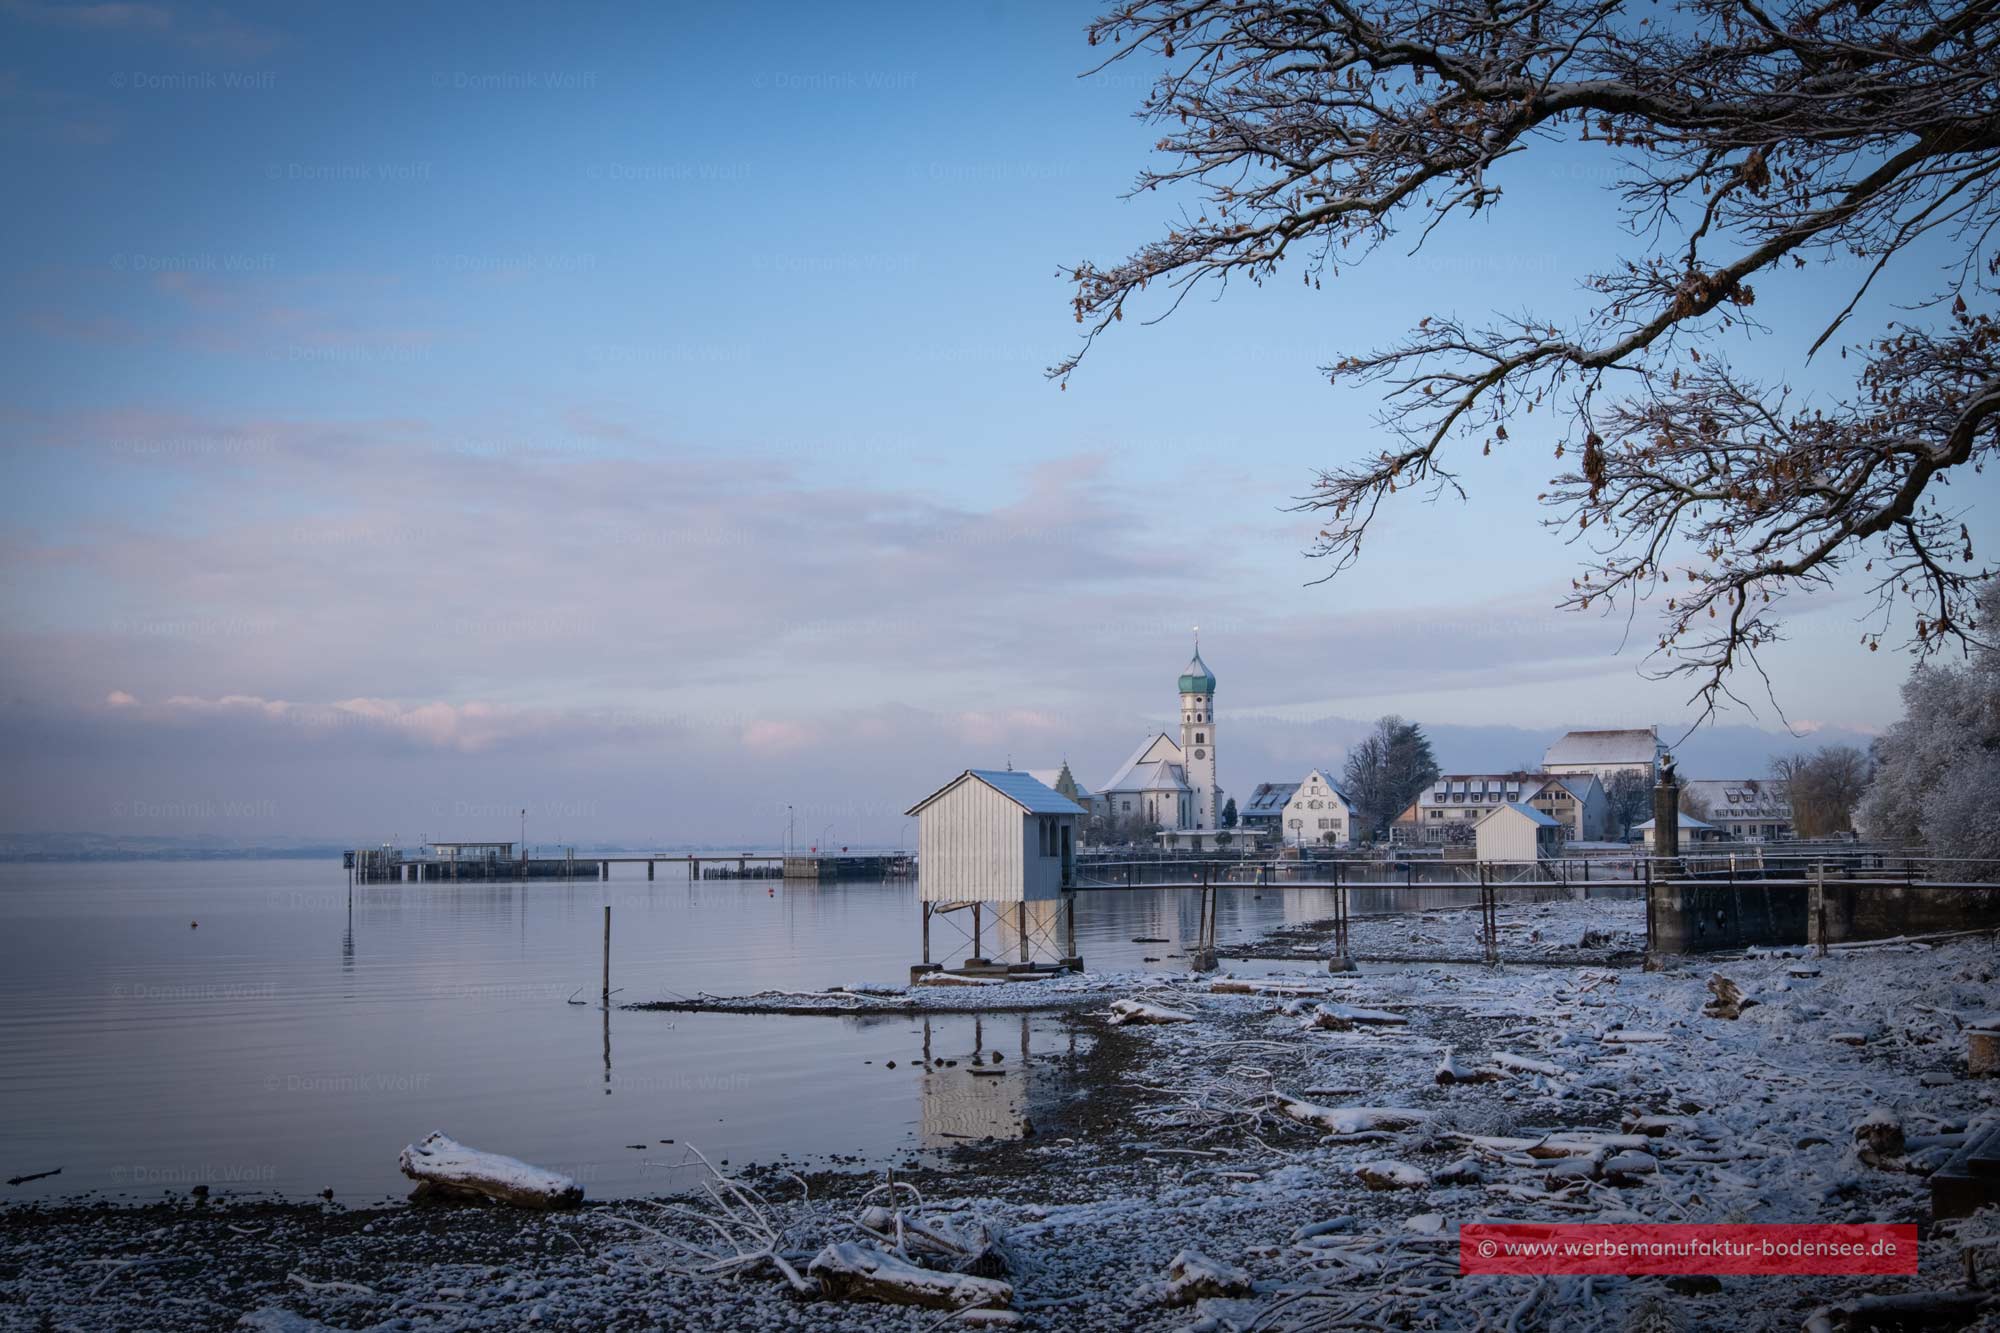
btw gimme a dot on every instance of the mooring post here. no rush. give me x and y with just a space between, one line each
977 952
1818 905
649 869
1021 925
1069 929
607 956
927 934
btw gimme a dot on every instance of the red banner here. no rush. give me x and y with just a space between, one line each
1538 1248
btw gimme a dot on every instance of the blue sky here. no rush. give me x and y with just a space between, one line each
640 408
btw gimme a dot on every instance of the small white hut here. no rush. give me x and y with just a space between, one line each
994 835
1517 832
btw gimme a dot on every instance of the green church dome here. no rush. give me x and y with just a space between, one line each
1196 678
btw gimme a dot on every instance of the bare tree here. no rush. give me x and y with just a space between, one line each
1747 137
1628 799
1823 788
1694 804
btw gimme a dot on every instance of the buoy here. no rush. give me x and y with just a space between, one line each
194 925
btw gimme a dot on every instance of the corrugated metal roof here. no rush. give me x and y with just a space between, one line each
1020 788
1025 791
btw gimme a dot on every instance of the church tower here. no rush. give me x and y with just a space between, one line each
1198 738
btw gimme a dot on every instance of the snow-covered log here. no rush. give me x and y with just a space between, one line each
1384 1175
1137 1011
1522 1064
1347 1119
848 1270
1261 986
1727 998
1911 1310
445 1164
1193 1276
1452 1070
1879 1136
1343 1017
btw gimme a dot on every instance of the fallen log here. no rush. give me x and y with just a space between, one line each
848 1270
1345 1120
1344 1017
1135 1011
446 1165
1384 1175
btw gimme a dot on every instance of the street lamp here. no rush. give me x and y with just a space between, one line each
788 830
822 834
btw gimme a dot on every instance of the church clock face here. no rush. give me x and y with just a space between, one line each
1200 753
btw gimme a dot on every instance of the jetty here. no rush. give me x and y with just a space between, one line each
473 862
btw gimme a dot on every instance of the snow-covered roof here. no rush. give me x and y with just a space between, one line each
1325 775
1639 745
1534 815
1020 788
1741 798
1157 776
1578 784
1687 821
1118 780
1269 798
1048 777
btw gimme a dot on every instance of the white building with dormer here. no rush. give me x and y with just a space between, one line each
1173 783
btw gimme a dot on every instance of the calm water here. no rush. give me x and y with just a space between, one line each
291 1044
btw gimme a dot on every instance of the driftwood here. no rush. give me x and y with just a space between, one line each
850 1270
1346 1120
446 1165
1450 1071
1344 1017
1904 1310
1135 1011
1193 1276
1392 1176
1729 1000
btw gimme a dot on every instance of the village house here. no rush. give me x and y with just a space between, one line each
1577 802
1606 753
1263 815
1755 809
1318 813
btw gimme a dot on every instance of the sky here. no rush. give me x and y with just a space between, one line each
635 414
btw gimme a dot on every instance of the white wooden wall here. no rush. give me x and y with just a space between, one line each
970 847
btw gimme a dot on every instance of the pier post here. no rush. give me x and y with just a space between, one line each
1074 959
649 870
978 954
607 957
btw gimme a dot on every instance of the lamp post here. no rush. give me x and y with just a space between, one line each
822 835
788 830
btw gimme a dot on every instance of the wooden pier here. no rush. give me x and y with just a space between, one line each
390 865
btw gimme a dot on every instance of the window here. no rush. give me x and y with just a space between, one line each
1127 805
1200 739
1326 823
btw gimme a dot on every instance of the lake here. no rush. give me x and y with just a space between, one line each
289 1040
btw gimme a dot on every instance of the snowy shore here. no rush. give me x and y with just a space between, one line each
1314 1140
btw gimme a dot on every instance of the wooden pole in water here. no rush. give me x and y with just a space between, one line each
975 932
607 956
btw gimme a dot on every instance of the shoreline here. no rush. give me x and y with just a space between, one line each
1188 1135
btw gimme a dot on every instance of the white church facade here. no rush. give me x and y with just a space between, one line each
1172 783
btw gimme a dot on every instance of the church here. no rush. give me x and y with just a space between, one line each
1170 783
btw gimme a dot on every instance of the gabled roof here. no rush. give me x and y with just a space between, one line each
1324 775
1533 814
1577 784
1020 788
1158 776
1048 777
1147 747
1687 821
1635 745
1269 798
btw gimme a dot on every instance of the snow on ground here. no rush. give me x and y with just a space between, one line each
1607 1095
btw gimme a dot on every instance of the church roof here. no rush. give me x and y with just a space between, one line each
1171 753
1196 678
1635 746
